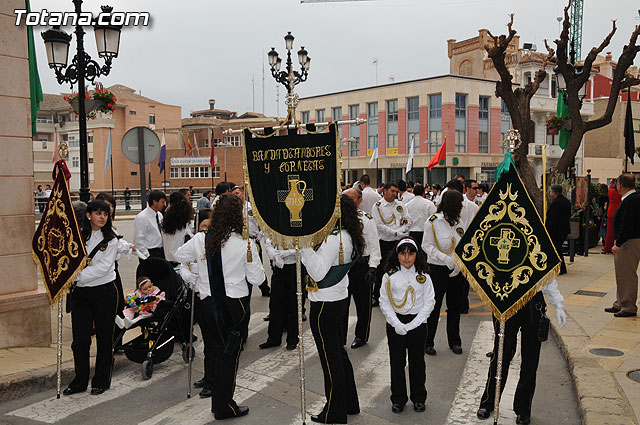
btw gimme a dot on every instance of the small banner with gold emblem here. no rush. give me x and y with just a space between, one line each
57 247
506 253
293 184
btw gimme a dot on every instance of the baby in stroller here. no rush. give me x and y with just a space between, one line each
140 304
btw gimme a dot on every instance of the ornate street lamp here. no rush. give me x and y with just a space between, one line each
289 77
82 67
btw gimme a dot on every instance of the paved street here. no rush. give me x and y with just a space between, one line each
268 382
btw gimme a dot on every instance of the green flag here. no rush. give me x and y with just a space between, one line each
34 78
562 110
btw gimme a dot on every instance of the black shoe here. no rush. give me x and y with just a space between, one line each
429 350
611 310
357 343
456 349
198 384
97 390
206 393
522 419
397 408
489 354
118 350
375 303
623 313
318 418
418 407
483 413
240 411
266 318
69 391
291 346
266 292
304 317
269 344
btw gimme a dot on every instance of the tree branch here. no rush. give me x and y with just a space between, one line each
593 54
541 74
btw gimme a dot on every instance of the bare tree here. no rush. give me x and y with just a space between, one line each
518 100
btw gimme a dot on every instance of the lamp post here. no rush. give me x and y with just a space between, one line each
289 77
82 67
347 143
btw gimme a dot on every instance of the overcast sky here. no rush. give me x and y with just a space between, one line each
200 49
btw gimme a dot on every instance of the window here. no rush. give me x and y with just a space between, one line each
216 142
174 172
132 112
195 172
527 78
336 113
90 160
461 105
75 161
89 138
483 142
392 111
216 172
552 139
134 173
304 117
483 112
415 137
435 105
354 111
392 141
152 119
505 112
505 125
491 175
74 142
413 108
435 141
554 87
184 172
232 140
461 141
371 142
204 171
372 113
354 147
207 143
44 119
320 115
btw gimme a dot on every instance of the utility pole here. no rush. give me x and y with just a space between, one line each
263 112
253 92
278 101
375 62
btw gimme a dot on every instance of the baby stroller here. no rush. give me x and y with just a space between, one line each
169 322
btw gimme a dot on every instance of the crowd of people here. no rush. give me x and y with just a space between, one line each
394 249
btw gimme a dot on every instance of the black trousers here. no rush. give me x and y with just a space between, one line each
225 365
93 306
385 248
411 344
156 252
119 308
526 321
557 243
453 287
283 304
327 326
360 290
204 317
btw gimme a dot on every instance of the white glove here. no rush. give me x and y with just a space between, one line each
561 314
400 329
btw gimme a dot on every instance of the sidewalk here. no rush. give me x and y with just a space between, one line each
606 394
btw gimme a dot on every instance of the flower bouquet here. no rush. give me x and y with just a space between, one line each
102 100
554 124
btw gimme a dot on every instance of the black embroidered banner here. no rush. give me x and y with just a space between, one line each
293 184
506 254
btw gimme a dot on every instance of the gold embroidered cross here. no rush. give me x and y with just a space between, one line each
294 198
504 243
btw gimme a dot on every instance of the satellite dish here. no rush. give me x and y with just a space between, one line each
130 143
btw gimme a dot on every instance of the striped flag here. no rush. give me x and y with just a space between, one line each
374 154
189 146
107 154
163 154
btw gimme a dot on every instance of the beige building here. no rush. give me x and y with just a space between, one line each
25 315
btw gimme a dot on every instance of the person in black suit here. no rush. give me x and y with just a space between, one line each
558 217
626 250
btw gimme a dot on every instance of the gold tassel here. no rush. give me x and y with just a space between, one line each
249 254
341 251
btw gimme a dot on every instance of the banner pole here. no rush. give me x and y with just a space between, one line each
112 191
544 184
496 402
59 360
300 332
193 298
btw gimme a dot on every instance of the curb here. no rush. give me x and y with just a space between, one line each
601 400
23 384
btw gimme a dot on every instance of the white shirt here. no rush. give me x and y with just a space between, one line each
279 257
103 264
146 232
371 239
447 236
319 262
369 197
420 209
123 246
392 219
469 210
396 285
481 198
235 268
405 197
171 243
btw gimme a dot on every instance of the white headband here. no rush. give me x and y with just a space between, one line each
406 241
143 282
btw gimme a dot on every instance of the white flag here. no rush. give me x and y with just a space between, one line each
374 154
195 142
107 154
410 160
